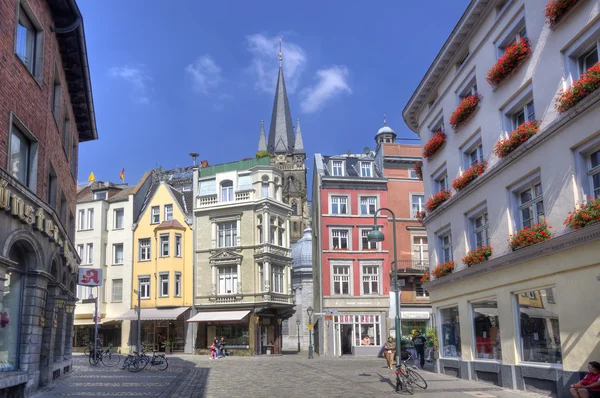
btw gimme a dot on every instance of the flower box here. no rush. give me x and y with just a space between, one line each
584 214
512 58
469 175
540 232
556 9
437 199
465 109
587 84
516 138
478 255
426 277
419 169
443 269
434 144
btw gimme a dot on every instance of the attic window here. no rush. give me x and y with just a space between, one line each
365 169
187 187
101 195
337 168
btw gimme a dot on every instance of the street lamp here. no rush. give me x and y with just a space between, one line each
59 303
310 313
377 236
298 324
70 308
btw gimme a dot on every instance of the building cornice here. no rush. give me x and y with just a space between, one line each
557 244
358 180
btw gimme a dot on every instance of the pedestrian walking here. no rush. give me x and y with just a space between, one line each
390 352
419 343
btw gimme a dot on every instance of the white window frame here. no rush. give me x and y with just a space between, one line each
18 130
584 172
90 219
425 293
443 245
536 203
472 146
516 105
515 203
89 254
335 170
25 17
168 209
116 217
178 245
264 187
277 278
163 279
80 252
437 124
513 32
226 191
336 266
370 277
341 200
231 233
144 285
412 174
115 259
339 234
144 251
421 203
423 258
467 88
177 285
440 180
155 215
112 295
224 277
370 245
81 220
479 212
366 169
165 244
101 195
371 200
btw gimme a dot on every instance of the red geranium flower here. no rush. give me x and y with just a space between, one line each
469 175
436 200
517 137
514 54
584 214
556 9
530 236
434 144
587 84
465 109
443 269
478 255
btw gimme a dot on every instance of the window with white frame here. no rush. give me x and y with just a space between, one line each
228 278
339 205
144 249
177 292
177 245
531 205
589 58
445 245
90 218
29 46
479 225
101 195
80 253
420 251
339 239
438 125
419 291
168 212
594 173
265 189
117 290
341 280
118 217
155 215
370 279
144 287
368 204
164 245
81 220
164 284
227 191
417 204
474 155
515 32
277 278
261 278
525 113
412 174
468 89
227 232
366 245
337 168
365 169
118 253
89 253
22 149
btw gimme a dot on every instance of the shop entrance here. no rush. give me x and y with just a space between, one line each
346 336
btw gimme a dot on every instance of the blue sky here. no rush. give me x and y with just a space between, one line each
199 77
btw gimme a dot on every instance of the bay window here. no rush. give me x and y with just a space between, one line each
277 278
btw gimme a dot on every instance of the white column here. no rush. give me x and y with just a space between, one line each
214 280
287 233
267 275
238 227
214 234
266 226
288 270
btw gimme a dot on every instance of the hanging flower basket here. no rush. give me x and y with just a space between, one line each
469 175
516 138
419 169
512 58
434 144
465 109
478 255
436 200
540 232
443 269
556 9
587 84
426 277
584 214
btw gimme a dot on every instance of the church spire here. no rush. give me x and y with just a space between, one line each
262 140
281 132
298 144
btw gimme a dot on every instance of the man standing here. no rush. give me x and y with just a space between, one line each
419 342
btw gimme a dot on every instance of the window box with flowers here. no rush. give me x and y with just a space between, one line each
556 9
443 269
426 277
469 175
587 84
465 109
434 144
538 233
508 63
516 138
584 214
419 169
437 199
479 255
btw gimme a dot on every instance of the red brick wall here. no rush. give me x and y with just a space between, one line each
31 102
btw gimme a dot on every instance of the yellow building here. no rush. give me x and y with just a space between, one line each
162 264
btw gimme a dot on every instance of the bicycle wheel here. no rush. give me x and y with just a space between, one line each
138 364
94 358
416 379
86 351
127 361
160 363
110 359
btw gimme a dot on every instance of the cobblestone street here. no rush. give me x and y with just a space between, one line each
284 376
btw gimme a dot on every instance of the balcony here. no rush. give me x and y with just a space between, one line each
267 248
227 299
412 266
278 298
210 200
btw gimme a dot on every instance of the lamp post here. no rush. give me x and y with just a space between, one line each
310 313
377 236
280 330
298 324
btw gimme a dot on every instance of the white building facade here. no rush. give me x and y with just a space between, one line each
516 320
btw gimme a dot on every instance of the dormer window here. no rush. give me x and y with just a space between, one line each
365 169
227 191
100 195
337 168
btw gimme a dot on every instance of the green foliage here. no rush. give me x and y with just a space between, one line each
262 155
432 340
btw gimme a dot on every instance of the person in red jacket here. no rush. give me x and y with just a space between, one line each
589 386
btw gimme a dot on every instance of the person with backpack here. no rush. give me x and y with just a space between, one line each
419 343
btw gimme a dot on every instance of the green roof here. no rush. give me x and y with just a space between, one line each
234 166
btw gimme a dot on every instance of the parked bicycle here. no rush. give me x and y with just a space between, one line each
407 378
135 362
108 358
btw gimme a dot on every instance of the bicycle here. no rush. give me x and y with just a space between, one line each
135 362
407 378
157 360
108 358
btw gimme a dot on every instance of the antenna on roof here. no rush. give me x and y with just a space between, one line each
280 53
194 155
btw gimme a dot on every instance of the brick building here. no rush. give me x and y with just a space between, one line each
46 110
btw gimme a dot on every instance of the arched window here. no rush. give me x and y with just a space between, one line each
227 191
295 226
294 208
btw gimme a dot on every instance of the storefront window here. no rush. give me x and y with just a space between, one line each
234 334
9 321
410 327
538 324
450 332
486 330
359 330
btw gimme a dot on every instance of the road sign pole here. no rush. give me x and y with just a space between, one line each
96 324
139 321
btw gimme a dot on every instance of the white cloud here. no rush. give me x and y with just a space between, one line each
332 82
205 73
265 63
137 78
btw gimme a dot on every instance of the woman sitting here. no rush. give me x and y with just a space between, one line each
589 386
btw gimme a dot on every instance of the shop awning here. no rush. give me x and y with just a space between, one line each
77 322
217 316
151 314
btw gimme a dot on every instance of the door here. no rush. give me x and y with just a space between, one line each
347 332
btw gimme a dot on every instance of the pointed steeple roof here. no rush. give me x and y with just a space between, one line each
298 143
281 132
262 140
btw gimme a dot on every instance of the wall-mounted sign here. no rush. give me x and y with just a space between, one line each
90 277
414 315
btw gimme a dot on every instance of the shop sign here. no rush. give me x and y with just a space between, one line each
90 277
27 214
414 315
